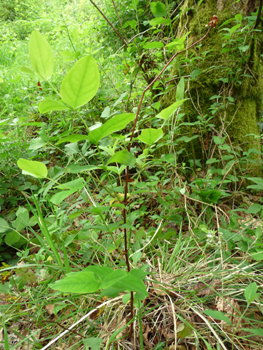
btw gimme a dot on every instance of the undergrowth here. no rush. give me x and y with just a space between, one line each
113 237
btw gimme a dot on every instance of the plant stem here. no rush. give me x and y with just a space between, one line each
127 169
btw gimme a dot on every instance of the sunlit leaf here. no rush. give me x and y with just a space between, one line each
81 83
123 157
158 9
167 112
49 105
150 136
41 56
33 168
114 124
81 282
27 70
153 45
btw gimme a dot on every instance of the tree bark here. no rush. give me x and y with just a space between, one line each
227 65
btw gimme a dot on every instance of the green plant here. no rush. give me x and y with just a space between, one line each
78 87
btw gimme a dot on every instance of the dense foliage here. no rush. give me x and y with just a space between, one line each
130 211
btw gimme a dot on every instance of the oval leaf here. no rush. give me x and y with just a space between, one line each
3 225
114 124
75 168
149 136
218 315
73 138
167 112
27 70
153 45
158 9
12 238
51 105
81 83
41 56
180 90
123 157
33 168
82 282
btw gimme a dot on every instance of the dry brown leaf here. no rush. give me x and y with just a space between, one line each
145 338
50 308
230 307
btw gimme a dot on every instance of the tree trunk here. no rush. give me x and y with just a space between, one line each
224 82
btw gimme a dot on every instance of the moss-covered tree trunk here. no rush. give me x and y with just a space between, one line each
224 79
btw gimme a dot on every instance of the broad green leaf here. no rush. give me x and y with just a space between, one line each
132 284
180 90
254 208
123 157
218 315
157 21
49 105
41 56
258 232
71 148
195 73
92 343
258 331
167 112
60 196
238 17
27 70
136 257
233 29
153 45
73 138
150 136
218 140
71 185
112 278
81 282
101 271
135 2
185 332
4 226
114 124
251 292
36 143
187 139
12 238
81 83
257 255
131 23
75 169
158 9
21 221
33 168
212 160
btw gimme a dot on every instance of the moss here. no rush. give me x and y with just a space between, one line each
215 68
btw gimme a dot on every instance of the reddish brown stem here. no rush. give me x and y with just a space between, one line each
112 26
129 146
